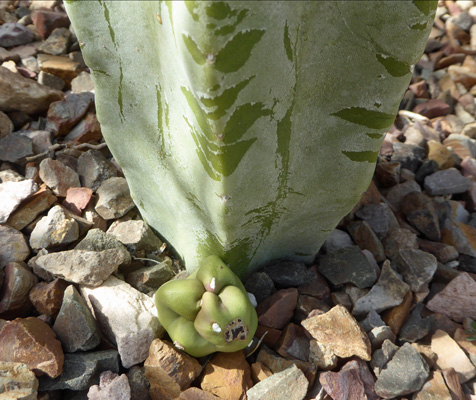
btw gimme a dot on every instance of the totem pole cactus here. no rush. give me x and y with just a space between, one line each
248 129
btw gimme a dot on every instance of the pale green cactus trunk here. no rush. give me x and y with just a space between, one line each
248 129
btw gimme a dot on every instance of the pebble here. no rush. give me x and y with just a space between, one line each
82 370
74 312
82 83
23 94
52 81
405 373
114 199
365 238
47 21
47 297
348 265
439 153
259 372
148 279
278 309
306 304
448 181
443 252
408 155
58 177
462 145
398 192
382 356
379 217
387 173
85 131
388 292
434 388
290 384
293 343
336 240
111 386
338 331
287 274
379 334
17 381
432 108
138 383
32 342
420 213
317 287
60 66
453 383
416 327
416 267
397 240
12 194
227 376
135 234
169 370
322 356
15 147
6 125
57 43
260 285
195 393
94 169
126 316
13 245
77 199
14 34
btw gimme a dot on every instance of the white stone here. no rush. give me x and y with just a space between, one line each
12 194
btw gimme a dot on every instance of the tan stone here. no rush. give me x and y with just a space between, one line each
17 382
395 317
321 356
194 393
169 371
426 352
434 389
259 372
450 355
338 330
227 375
61 66
461 337
441 154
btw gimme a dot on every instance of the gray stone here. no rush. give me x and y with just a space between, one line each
416 327
408 155
57 43
13 245
50 80
382 356
15 147
75 326
135 234
371 321
126 316
94 169
365 238
139 383
82 83
82 370
287 274
58 177
12 194
9 175
379 334
416 267
148 279
447 181
111 386
81 266
14 34
420 212
405 373
41 140
337 240
427 168
17 382
397 240
379 217
347 265
260 285
57 228
467 263
290 384
398 192
388 292
114 198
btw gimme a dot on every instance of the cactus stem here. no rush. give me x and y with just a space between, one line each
216 328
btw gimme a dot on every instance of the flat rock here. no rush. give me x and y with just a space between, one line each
47 297
405 373
126 316
74 312
97 240
32 342
114 199
13 245
111 386
287 274
77 199
365 238
388 292
290 384
450 355
12 194
169 370
416 267
57 228
14 34
336 240
18 93
339 331
416 327
434 388
47 21
50 80
276 311
57 43
399 239
148 279
448 181
60 66
94 169
58 177
420 212
17 381
15 147
457 300
135 234
348 265
82 370
443 252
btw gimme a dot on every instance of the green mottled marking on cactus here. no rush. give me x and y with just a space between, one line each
420 27
287 42
393 66
219 10
242 119
194 201
120 100
369 118
231 156
198 112
362 156
202 152
108 20
228 29
99 71
237 51
191 7
193 49
375 135
425 6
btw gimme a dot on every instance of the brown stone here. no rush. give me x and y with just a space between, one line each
398 239
47 21
395 317
194 393
277 310
259 372
441 154
227 375
306 304
340 332
58 176
169 371
61 66
271 335
366 238
387 173
293 343
434 388
317 287
453 383
47 297
17 382
432 108
32 342
13 245
86 130
77 199
321 356
443 252
429 355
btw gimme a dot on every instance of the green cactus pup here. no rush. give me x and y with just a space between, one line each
207 312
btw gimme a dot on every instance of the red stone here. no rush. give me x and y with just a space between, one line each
47 21
277 310
433 108
48 297
77 199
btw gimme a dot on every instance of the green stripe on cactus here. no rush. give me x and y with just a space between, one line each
393 66
361 156
369 118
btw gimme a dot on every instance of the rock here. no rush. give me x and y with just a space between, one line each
227 375
408 155
338 331
467 263
452 381
138 383
371 321
169 370
440 154
416 267
416 327
111 386
82 83
260 285
379 217
293 343
270 336
47 21
6 125
448 181
17 381
29 210
12 194
434 388
64 114
382 356
75 313
432 108
317 287
13 245
259 372
462 145
365 238
97 240
322 356
135 234
126 316
398 192
348 265
290 384
427 168
336 240
353 381
114 198
450 355
50 80
32 342
82 370
148 279
461 236
81 266
94 169
457 300
443 252
17 283
57 43
399 239
47 297
276 311
380 334
396 316
387 173
287 274
58 177
420 212
85 131
41 140
18 93
57 228
13 34
60 66
77 199
405 373
306 304
15 147
389 291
